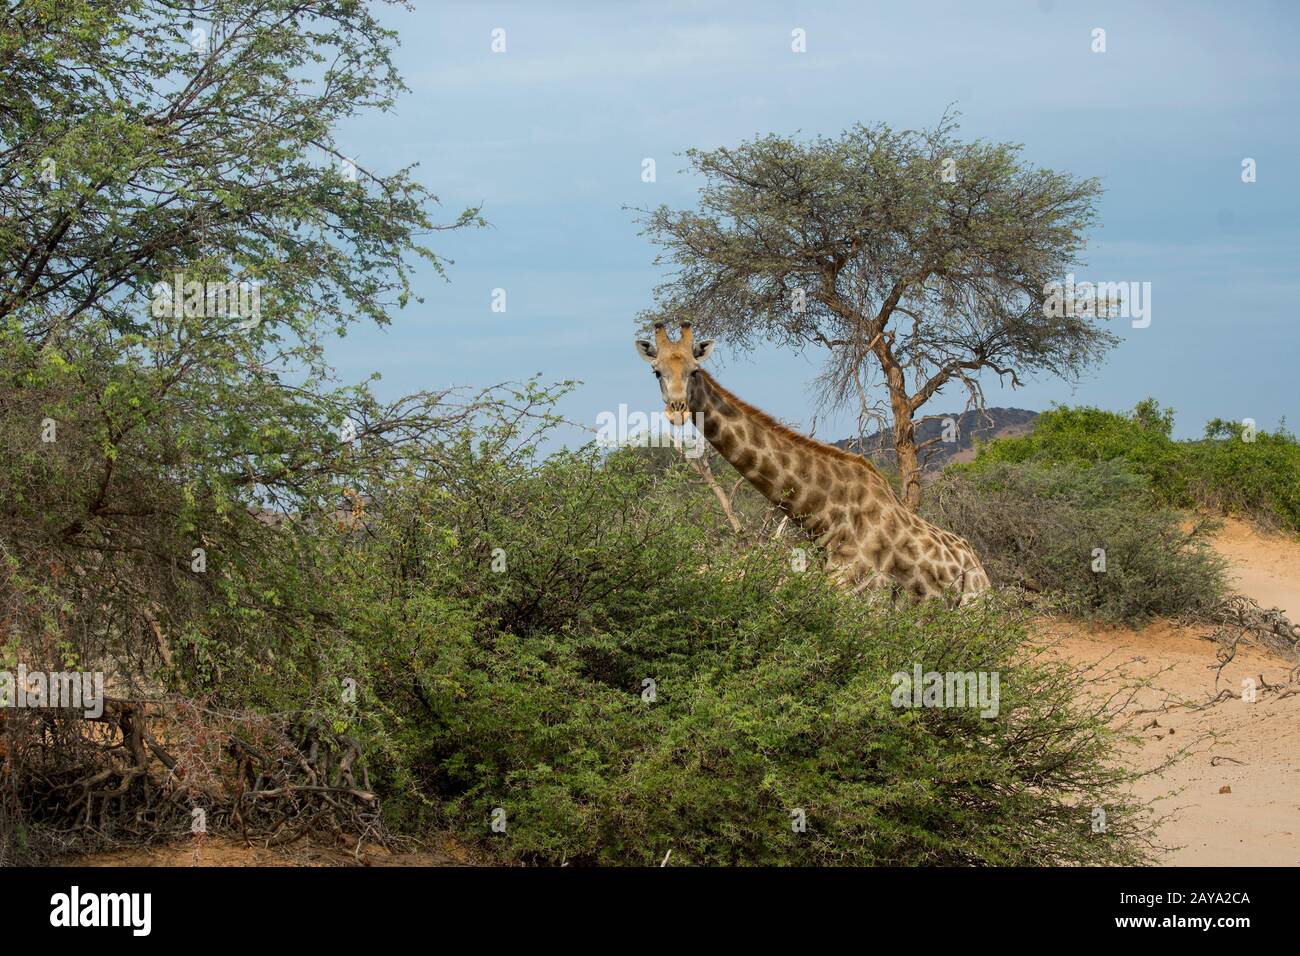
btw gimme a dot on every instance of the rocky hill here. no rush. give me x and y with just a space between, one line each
992 423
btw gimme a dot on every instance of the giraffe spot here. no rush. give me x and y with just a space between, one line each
814 502
897 567
744 461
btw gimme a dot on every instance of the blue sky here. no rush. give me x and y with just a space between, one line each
550 136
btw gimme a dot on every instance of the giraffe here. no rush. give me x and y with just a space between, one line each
872 540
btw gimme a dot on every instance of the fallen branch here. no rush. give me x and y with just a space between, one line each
136 774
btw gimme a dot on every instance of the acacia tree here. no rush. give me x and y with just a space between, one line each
145 139
912 258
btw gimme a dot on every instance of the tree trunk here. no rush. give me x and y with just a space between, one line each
908 469
904 432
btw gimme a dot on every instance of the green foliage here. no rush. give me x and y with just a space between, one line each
524 689
167 476
1230 470
133 437
1259 478
1038 526
141 138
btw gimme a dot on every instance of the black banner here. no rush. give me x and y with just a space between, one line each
331 905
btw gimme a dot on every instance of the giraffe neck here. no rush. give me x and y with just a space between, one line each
814 483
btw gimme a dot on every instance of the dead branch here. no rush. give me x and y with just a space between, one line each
135 775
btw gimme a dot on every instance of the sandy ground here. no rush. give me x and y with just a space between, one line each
1266 567
219 851
1236 790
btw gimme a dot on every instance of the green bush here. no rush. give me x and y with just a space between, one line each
1039 526
524 688
499 617
1259 478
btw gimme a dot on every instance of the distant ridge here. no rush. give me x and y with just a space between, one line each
993 423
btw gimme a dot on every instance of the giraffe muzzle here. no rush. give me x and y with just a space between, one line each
677 413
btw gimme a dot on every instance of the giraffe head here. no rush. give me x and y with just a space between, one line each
674 363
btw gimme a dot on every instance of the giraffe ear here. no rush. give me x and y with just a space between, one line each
646 350
703 350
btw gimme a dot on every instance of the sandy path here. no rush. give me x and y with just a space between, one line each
1265 567
1253 749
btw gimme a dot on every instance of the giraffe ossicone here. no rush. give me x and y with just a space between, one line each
872 540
